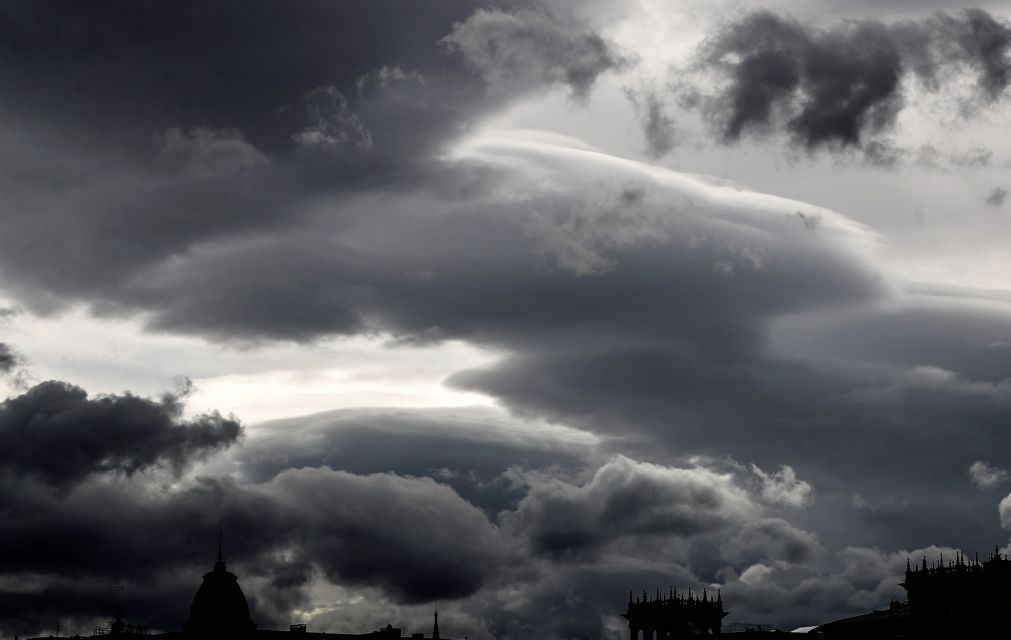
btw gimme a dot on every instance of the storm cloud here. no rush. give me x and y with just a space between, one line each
682 379
228 144
389 531
723 294
8 358
657 125
55 432
844 85
627 498
378 530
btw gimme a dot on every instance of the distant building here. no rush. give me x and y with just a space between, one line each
959 598
219 611
888 624
674 616
219 608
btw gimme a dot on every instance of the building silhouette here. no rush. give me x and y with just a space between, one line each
887 624
220 611
219 608
965 597
957 598
674 616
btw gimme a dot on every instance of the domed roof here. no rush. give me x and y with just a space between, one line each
219 605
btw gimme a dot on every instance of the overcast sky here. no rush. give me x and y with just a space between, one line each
504 309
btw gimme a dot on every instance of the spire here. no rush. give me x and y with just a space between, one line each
220 564
435 627
118 625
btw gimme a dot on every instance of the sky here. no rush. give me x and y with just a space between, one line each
503 309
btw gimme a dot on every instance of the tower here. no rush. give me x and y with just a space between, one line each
435 627
118 625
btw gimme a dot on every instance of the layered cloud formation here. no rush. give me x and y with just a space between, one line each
694 383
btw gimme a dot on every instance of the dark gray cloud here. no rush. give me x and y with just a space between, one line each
778 62
597 594
635 308
626 498
841 86
56 433
637 303
975 39
297 190
156 543
9 358
822 423
135 69
109 524
414 539
235 138
657 125
500 273
467 449
389 531
770 539
83 487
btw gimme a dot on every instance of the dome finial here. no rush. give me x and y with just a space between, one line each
220 564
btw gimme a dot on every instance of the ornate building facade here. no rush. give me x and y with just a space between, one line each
953 598
674 616
961 597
